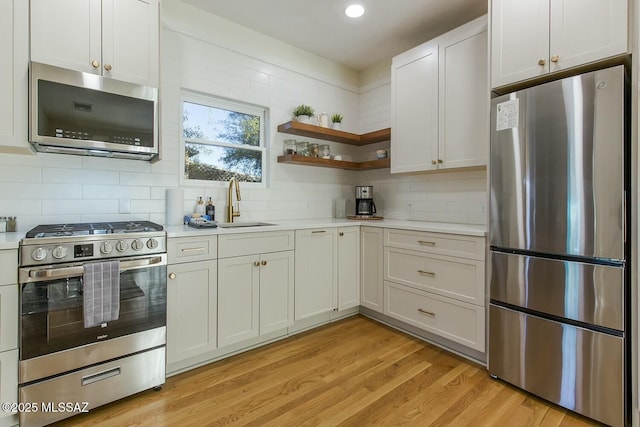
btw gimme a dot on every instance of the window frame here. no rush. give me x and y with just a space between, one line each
215 101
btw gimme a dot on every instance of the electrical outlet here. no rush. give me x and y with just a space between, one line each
409 207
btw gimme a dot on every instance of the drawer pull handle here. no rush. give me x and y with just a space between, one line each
427 313
427 273
426 243
90 379
319 231
193 249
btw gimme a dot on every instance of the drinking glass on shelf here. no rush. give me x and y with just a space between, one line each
302 147
289 146
314 150
325 151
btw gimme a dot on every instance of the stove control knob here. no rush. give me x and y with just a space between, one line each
106 248
152 243
59 252
39 254
137 245
121 246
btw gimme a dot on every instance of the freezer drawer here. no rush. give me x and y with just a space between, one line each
587 293
576 368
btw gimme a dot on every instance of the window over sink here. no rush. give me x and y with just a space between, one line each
222 139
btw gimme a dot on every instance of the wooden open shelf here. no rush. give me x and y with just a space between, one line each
327 134
294 159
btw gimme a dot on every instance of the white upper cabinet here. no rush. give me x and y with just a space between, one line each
439 102
14 81
118 39
531 38
414 110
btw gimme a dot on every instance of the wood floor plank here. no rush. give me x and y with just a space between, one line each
355 372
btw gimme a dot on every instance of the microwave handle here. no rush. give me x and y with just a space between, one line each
58 273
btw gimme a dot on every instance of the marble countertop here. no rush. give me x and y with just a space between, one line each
280 225
11 240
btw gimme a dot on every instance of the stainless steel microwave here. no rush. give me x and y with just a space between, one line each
80 113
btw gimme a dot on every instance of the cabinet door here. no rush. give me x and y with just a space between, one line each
191 309
130 40
238 299
9 385
8 317
519 40
464 98
276 291
414 110
584 31
315 272
66 33
14 72
372 262
348 267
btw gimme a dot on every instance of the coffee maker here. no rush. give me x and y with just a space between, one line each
364 201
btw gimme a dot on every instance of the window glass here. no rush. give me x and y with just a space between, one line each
222 140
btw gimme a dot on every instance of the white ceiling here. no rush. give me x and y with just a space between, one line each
387 28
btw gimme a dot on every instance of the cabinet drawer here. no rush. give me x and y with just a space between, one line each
455 320
438 243
187 249
458 278
8 267
254 243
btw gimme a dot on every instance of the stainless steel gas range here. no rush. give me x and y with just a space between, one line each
67 363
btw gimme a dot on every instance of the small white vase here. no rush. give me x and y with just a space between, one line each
303 119
336 126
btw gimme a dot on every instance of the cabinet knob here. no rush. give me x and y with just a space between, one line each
172 276
440 161
542 62
341 234
107 67
433 162
555 58
256 263
95 64
264 263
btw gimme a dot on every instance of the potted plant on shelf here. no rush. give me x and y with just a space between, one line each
303 113
336 121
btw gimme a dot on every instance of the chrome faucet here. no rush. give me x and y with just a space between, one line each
231 213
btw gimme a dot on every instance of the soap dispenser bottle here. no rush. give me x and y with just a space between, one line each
210 210
199 207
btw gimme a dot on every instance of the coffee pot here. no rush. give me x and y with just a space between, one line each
364 201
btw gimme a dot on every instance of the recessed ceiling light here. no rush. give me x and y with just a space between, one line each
354 11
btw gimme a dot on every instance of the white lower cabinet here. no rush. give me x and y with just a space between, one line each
255 290
192 293
191 310
9 315
9 385
371 268
327 270
255 296
435 281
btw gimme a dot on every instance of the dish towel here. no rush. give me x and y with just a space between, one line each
101 292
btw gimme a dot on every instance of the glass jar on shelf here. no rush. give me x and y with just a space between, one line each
314 150
289 146
302 148
325 151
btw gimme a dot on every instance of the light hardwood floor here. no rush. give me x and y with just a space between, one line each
355 372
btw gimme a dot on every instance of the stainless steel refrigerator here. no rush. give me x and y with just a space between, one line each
559 287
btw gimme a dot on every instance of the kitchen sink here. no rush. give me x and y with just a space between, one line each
242 224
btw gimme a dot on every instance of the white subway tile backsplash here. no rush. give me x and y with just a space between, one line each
79 176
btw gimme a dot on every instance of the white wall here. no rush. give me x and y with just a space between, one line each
207 54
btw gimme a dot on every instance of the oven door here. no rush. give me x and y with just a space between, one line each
51 305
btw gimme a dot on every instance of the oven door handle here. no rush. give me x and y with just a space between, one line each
48 273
